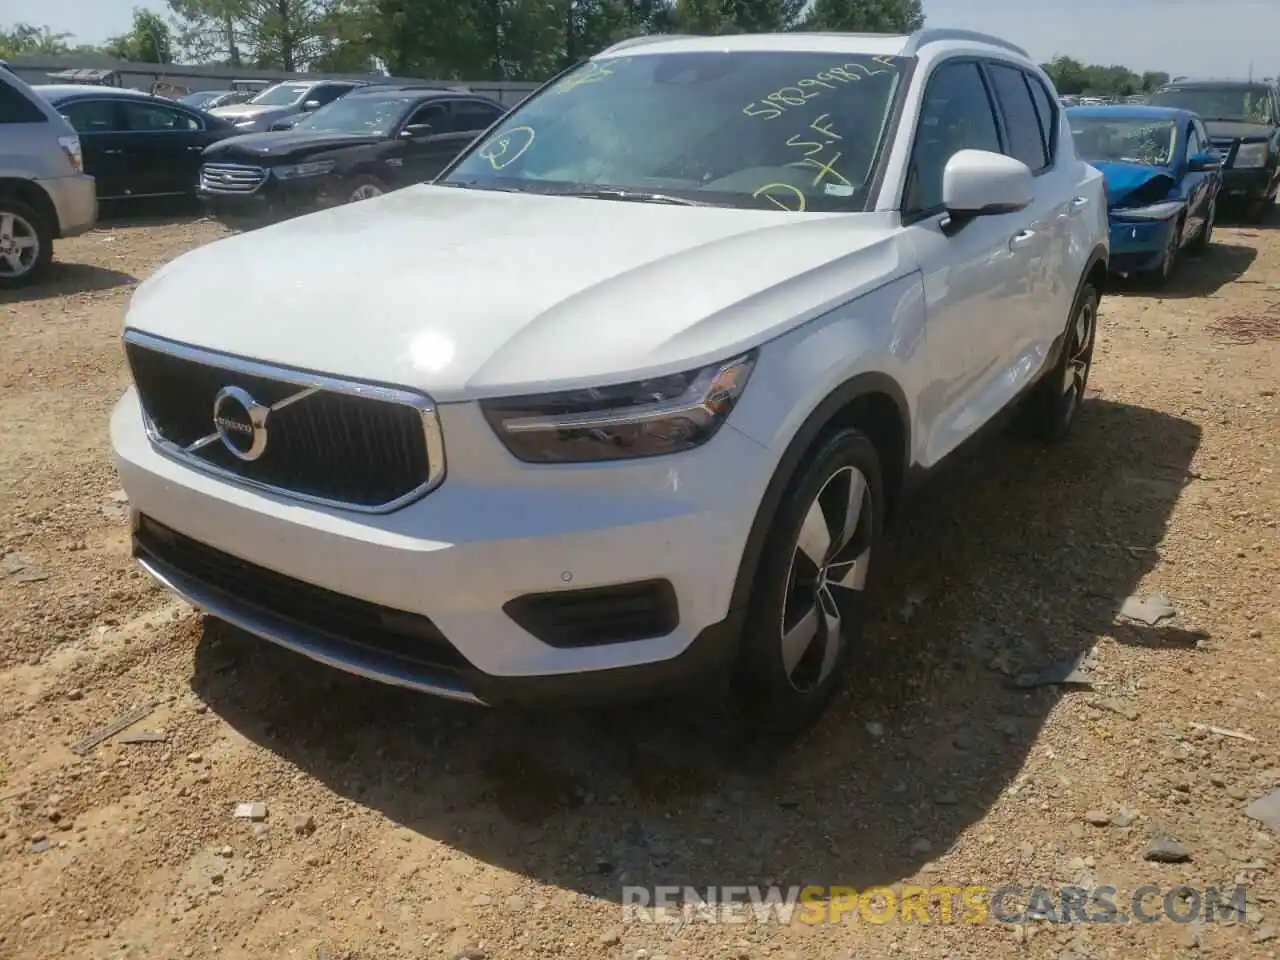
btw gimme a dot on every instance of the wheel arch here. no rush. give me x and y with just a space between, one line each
872 402
34 196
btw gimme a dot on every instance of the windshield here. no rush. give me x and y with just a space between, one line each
770 130
1246 104
368 116
281 95
1125 139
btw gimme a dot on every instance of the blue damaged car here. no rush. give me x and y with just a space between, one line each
1163 178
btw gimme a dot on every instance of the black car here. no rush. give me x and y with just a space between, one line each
369 142
135 145
1243 120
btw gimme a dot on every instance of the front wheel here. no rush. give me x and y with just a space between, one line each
1161 276
808 600
365 187
1201 243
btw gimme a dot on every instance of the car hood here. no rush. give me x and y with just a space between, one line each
469 293
1238 130
1126 179
259 146
243 111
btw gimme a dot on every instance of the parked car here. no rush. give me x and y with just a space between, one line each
228 98
201 99
373 140
1243 121
283 100
1163 179
623 400
137 146
44 192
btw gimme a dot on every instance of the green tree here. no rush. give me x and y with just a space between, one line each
1154 80
865 16
148 41
23 39
1067 74
277 34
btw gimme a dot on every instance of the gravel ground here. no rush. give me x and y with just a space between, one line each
401 827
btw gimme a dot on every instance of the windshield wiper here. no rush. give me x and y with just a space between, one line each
635 196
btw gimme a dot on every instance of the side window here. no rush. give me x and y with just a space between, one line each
15 108
144 117
432 113
92 116
1026 139
1194 145
1205 142
473 116
1046 113
956 115
329 92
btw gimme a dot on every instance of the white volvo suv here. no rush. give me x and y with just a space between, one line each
622 401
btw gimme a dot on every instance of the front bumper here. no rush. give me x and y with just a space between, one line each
76 200
495 531
275 199
1138 245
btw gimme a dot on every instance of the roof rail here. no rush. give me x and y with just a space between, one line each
938 34
646 39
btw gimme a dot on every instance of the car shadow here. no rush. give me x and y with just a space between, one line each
150 212
64 279
1196 275
1016 558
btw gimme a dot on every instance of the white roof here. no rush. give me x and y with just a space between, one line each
47 90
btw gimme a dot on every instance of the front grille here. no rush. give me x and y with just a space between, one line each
618 613
350 622
351 445
231 178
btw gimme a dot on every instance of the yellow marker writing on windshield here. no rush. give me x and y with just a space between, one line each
796 198
508 147
591 73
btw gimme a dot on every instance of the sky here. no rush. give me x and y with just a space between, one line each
1170 35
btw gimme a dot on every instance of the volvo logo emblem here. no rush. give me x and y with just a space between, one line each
241 423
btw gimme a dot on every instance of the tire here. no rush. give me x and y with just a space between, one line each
1054 406
1201 243
364 187
781 686
1161 275
26 244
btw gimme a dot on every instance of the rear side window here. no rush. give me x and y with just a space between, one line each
16 108
473 116
1047 113
1026 138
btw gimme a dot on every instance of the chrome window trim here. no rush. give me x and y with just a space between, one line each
432 432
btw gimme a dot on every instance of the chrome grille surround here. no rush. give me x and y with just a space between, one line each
231 178
432 436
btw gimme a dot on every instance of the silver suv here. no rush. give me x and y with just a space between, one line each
44 192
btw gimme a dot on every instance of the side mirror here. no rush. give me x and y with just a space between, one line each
415 130
311 105
978 183
1200 162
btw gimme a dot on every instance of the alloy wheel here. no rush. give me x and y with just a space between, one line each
366 191
19 245
827 573
1079 355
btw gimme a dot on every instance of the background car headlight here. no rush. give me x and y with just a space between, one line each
645 418
1251 155
313 169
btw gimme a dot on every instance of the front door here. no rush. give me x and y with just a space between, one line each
977 281
429 142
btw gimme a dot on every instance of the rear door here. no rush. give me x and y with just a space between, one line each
103 141
164 146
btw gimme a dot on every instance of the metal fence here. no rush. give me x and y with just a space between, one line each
192 77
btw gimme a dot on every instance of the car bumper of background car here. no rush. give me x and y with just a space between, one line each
423 597
1251 184
76 200
1138 245
274 199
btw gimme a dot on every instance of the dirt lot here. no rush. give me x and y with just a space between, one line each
401 827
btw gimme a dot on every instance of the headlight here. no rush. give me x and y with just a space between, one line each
646 418
313 169
71 147
1251 155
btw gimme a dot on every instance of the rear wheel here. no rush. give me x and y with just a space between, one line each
808 599
1054 406
26 244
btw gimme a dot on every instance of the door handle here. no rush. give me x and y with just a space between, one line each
113 153
1022 238
1078 204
